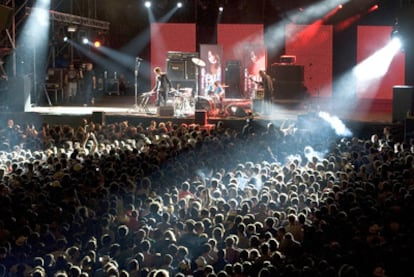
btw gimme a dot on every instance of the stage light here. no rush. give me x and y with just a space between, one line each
179 4
148 4
85 40
97 43
221 9
65 38
72 28
396 35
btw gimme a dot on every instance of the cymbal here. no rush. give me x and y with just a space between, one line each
198 62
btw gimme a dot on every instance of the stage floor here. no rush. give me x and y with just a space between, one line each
362 111
362 117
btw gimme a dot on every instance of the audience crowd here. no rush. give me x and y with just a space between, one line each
180 200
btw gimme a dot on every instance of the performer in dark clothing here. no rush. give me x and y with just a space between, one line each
267 85
162 86
89 84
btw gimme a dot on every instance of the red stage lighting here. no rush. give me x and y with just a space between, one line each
97 43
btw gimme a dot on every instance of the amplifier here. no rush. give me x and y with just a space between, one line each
402 102
177 55
287 72
52 85
287 59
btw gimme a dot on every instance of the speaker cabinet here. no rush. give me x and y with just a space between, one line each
200 117
402 102
190 70
180 65
289 90
408 129
232 78
19 93
166 111
176 69
288 73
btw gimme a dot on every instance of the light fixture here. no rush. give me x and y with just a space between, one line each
179 4
395 32
396 35
148 4
85 40
65 38
97 43
221 9
72 28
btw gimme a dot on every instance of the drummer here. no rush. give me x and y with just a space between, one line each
216 92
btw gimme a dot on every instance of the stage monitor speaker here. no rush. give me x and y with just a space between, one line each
402 102
232 78
166 111
200 117
176 69
98 118
19 93
288 73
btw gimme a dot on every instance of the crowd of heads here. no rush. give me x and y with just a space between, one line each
183 200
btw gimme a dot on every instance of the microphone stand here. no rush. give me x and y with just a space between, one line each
136 71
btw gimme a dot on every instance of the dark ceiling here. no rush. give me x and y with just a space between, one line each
129 17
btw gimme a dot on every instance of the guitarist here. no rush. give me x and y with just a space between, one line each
162 86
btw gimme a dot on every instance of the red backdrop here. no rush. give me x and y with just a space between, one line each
312 46
236 38
243 43
170 37
370 40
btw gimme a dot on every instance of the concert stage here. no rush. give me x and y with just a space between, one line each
362 118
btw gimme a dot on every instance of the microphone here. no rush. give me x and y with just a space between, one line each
137 61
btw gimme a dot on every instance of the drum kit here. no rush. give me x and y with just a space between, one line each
183 98
183 102
198 62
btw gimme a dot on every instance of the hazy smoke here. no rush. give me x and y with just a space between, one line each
310 153
336 124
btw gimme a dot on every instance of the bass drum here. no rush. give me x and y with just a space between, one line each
204 103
